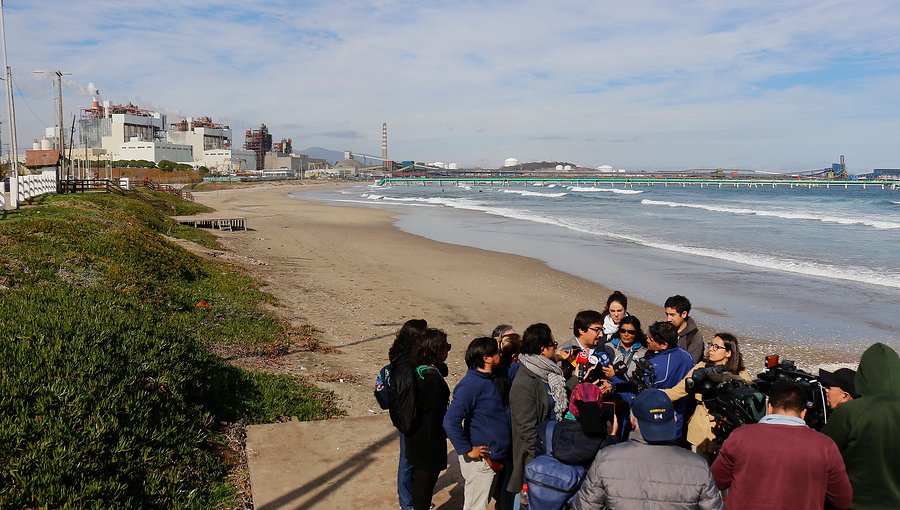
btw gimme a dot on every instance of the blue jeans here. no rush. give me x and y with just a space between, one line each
404 478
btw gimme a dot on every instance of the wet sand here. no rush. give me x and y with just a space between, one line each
356 278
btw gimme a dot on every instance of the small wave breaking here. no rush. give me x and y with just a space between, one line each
581 189
788 215
526 193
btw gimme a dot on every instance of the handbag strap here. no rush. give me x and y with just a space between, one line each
548 437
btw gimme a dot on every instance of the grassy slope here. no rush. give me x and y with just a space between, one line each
108 394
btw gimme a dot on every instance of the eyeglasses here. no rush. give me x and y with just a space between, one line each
716 347
596 329
555 344
627 331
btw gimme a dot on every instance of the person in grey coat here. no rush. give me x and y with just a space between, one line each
649 471
538 394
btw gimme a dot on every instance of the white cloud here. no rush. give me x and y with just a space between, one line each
657 84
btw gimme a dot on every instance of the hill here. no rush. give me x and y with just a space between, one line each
326 154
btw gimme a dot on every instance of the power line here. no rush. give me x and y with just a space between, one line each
22 97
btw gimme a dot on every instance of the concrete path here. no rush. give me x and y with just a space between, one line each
348 463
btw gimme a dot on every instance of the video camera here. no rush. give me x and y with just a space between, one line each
642 378
778 369
728 398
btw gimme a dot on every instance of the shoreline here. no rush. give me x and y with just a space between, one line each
355 276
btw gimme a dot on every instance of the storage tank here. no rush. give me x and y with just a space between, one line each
36 144
567 167
46 144
605 168
559 167
510 162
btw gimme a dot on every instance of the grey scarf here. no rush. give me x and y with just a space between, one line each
551 374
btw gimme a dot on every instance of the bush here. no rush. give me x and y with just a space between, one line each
108 395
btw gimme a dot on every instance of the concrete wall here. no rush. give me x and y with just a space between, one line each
155 151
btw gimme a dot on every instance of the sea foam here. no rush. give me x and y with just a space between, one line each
788 215
526 193
580 189
763 261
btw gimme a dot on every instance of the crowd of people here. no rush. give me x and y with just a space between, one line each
588 403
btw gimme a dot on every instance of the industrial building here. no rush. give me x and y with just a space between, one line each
202 134
884 173
130 132
260 142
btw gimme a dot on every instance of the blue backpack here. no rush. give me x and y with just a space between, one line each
550 482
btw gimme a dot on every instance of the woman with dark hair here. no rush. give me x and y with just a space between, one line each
725 352
538 394
625 346
426 443
403 373
615 310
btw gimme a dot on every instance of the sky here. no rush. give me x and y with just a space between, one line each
643 85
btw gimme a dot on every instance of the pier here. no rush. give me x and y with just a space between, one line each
630 182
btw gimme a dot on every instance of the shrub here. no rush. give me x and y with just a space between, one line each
108 395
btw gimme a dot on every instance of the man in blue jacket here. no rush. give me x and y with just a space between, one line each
670 362
477 423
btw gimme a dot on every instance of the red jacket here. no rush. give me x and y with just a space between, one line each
769 466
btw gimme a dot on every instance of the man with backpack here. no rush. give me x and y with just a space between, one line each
649 467
477 423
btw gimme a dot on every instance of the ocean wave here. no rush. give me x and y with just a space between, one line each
581 189
763 261
526 193
895 202
788 215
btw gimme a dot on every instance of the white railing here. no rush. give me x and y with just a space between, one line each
2 195
31 186
124 183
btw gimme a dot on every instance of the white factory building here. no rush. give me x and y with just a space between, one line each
128 132
225 161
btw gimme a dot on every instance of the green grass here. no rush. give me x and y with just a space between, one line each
108 393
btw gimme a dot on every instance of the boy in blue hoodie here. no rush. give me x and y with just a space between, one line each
477 423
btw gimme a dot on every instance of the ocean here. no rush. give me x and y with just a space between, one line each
811 266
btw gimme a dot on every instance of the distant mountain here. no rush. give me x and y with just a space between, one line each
320 153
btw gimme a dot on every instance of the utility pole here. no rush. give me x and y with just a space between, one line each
61 136
11 108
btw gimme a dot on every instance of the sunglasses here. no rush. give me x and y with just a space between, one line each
627 331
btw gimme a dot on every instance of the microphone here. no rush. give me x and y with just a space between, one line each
582 361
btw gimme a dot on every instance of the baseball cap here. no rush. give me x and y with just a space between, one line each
842 378
655 415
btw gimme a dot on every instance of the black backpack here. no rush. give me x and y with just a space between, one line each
395 390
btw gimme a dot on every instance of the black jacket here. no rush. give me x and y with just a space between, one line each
426 442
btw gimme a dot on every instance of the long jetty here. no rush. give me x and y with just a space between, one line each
629 182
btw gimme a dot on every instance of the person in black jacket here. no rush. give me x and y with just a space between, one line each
426 442
403 373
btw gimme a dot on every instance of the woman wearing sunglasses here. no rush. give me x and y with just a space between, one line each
723 351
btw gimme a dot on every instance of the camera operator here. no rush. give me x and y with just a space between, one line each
780 462
723 352
839 386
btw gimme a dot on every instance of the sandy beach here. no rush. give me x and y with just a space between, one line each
352 275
